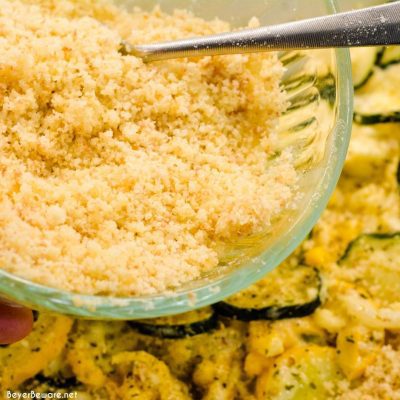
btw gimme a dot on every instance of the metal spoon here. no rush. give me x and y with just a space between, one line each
373 26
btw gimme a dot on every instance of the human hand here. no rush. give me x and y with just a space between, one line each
15 322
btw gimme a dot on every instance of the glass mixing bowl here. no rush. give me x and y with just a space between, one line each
317 126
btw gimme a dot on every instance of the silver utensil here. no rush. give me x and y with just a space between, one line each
373 26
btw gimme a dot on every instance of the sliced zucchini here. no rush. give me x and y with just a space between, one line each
362 247
368 154
179 326
371 266
326 86
286 292
390 56
215 349
363 60
301 373
373 263
378 101
372 119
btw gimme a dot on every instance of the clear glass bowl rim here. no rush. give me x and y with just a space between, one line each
106 307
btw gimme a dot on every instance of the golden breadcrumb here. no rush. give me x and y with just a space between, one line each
118 177
381 380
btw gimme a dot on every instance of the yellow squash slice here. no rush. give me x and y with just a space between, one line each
302 373
23 360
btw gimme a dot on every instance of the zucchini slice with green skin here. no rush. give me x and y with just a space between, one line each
373 264
179 326
363 61
286 292
372 119
301 373
326 86
378 101
364 245
368 155
390 56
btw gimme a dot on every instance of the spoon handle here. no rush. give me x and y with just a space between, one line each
373 26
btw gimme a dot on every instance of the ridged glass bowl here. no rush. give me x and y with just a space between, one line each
316 125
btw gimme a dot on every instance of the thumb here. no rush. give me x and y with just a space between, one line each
15 322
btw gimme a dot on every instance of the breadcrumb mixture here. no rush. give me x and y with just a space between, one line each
381 380
118 177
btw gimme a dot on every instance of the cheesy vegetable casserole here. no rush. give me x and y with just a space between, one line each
324 325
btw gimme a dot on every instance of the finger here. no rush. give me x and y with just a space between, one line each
15 322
